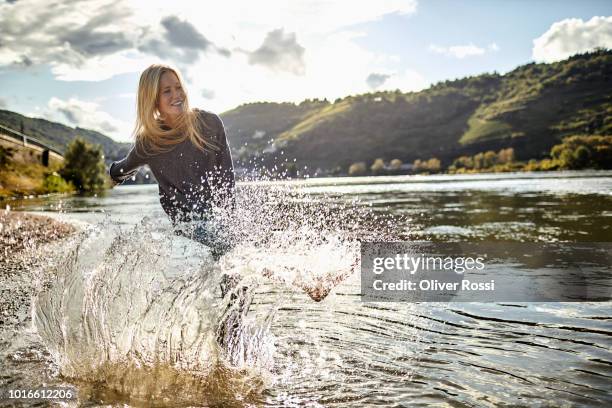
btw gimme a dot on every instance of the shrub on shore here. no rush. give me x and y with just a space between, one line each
54 183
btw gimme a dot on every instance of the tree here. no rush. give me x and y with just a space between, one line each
396 164
291 170
357 169
6 153
489 159
54 183
84 166
582 151
336 171
433 164
463 162
581 157
478 160
378 166
505 155
556 151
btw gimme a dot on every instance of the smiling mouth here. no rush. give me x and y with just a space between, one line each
177 103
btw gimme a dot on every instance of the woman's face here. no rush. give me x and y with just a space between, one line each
171 97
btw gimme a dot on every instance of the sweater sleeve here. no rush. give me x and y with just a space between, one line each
225 182
125 168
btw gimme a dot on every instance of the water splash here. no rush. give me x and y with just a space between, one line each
138 311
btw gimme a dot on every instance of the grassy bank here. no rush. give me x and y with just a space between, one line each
20 179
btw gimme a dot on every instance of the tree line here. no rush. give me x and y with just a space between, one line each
575 152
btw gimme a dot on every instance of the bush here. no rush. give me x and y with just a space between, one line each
357 169
489 159
54 183
582 156
431 165
580 152
6 153
505 155
377 167
396 164
84 166
291 170
485 161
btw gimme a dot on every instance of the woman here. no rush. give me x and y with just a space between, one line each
187 151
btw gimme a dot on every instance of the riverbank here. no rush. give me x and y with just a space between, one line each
21 235
26 179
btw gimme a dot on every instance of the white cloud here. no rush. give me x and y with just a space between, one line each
377 79
280 51
101 68
305 16
74 112
328 74
462 51
66 34
406 81
207 93
94 40
571 36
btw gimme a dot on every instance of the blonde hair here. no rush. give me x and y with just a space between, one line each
151 138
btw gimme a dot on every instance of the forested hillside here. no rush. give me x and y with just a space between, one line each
530 109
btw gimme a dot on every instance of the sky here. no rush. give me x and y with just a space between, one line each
78 62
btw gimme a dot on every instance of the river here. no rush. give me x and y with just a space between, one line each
128 288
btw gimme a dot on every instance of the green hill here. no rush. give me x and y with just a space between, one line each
530 109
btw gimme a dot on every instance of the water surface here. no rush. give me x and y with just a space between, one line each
345 352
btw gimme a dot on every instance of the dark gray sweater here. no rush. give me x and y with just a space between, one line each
189 179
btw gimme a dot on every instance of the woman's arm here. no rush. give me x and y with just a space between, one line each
125 168
225 181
